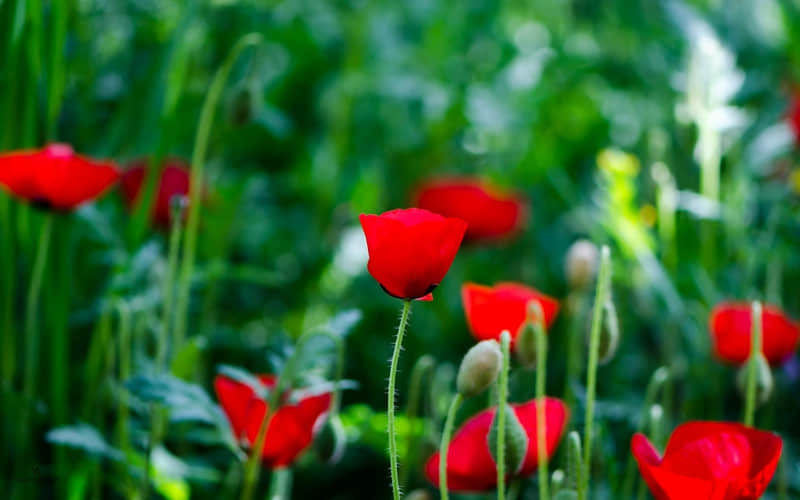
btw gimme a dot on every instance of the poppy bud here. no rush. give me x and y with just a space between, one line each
574 461
764 380
581 264
525 348
331 440
479 368
609 334
419 495
177 208
516 441
557 480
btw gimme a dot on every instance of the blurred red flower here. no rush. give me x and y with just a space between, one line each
411 250
55 177
709 461
793 117
291 428
490 310
174 181
490 213
470 466
731 327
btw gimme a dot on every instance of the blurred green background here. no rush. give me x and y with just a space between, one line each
344 109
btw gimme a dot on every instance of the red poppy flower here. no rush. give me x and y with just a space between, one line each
291 428
470 466
731 327
709 461
490 310
410 250
490 213
793 116
55 177
174 181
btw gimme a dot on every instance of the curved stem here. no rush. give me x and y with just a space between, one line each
32 308
398 346
541 405
196 176
752 366
448 431
168 290
251 467
603 277
502 403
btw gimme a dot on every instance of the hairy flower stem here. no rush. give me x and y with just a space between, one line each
601 294
398 345
196 186
448 431
541 405
752 366
502 403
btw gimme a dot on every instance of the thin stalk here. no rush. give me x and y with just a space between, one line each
164 338
502 403
251 467
603 277
280 487
752 366
398 346
124 365
9 344
541 405
577 299
196 186
445 445
32 312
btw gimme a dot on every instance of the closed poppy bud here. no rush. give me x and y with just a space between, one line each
764 380
609 334
490 213
574 460
479 368
516 441
419 495
581 264
330 442
709 460
55 177
557 480
730 326
411 250
525 348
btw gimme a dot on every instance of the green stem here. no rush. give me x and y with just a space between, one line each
502 403
445 445
32 311
251 468
541 405
196 186
398 346
752 366
168 290
124 334
603 277
9 346
280 487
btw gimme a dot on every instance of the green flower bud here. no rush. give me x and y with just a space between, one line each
581 264
764 380
609 334
479 368
516 441
419 495
525 348
330 441
574 461
557 480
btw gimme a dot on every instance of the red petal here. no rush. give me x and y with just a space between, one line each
55 176
174 181
665 484
490 310
730 327
470 466
410 251
489 213
291 428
